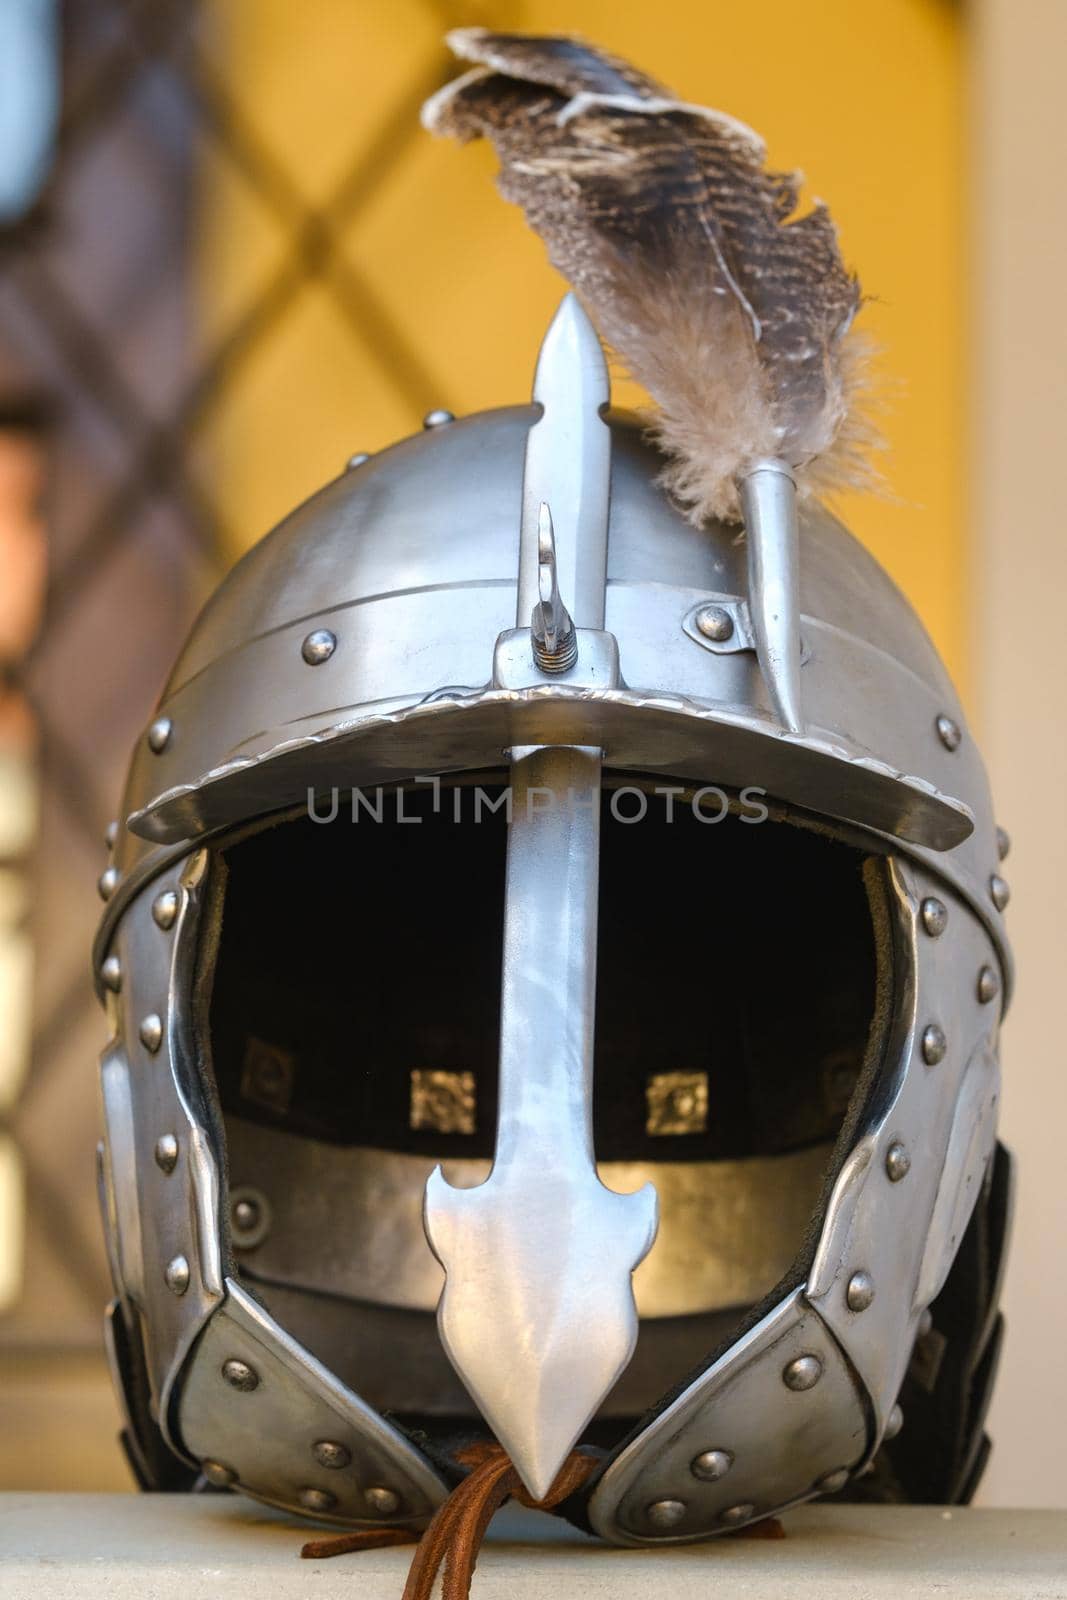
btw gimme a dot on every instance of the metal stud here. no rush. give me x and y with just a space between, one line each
934 1044
250 1218
111 974
948 731
988 985
239 1375
165 909
159 735
894 1423
218 1474
832 1482
664 1514
934 913
734 1516
999 891
328 1453
438 419
107 882
711 1465
715 622
860 1291
151 1031
1003 843
897 1162
166 1152
802 1373
382 1501
357 460
111 835
318 647
317 1499
246 1215
177 1275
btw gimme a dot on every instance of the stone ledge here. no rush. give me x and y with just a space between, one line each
221 1547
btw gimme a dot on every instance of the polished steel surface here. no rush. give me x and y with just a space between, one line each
769 506
160 1168
542 1241
749 1215
567 465
555 646
786 662
270 1432
701 709
781 1440
882 1209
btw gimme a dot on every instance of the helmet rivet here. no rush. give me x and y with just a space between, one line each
988 985
382 1501
897 1162
111 974
733 1516
159 735
107 882
317 1499
151 1032
664 1514
166 1152
715 622
218 1474
831 1482
165 909
239 1375
250 1217
318 647
860 1291
177 1275
935 916
894 1423
1003 843
999 891
948 731
934 1044
711 1465
803 1373
111 835
246 1214
328 1453
438 419
357 460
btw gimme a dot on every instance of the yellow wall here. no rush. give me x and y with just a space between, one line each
866 98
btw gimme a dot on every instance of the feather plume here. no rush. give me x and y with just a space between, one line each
730 310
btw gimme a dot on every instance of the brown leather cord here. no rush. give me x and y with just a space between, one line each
455 1533
343 1544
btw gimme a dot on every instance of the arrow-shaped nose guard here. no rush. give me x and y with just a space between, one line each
537 1313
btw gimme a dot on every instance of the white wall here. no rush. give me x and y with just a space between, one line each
1019 316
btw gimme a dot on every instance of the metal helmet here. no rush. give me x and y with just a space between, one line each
511 868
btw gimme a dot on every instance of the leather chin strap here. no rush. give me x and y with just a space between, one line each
457 1529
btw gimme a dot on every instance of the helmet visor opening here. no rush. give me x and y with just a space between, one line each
355 1016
